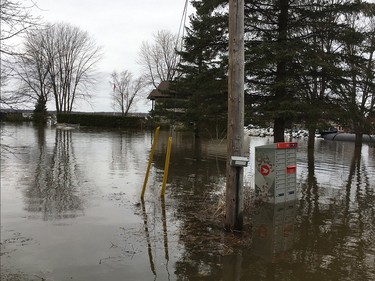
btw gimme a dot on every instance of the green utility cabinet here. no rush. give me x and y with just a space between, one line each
275 171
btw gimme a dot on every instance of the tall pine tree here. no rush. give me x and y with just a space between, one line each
204 66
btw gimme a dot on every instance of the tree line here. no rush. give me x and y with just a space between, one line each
305 62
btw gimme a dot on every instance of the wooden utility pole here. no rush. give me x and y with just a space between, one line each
235 133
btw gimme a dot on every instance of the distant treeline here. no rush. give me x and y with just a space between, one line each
211 127
15 116
84 119
108 121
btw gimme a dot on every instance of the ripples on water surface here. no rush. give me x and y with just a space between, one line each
70 210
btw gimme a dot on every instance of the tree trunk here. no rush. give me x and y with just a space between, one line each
278 130
358 133
311 139
358 139
281 71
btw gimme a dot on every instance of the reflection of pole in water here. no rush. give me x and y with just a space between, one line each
152 265
165 233
232 267
270 272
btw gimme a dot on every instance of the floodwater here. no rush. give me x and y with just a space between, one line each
71 210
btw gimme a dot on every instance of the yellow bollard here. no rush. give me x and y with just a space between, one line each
150 160
166 167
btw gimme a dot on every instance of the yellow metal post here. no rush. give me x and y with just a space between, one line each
150 160
166 167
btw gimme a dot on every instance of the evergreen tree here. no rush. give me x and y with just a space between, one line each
204 66
40 110
298 63
274 44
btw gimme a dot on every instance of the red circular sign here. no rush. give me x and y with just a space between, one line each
264 170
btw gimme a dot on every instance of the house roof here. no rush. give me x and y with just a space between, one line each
160 92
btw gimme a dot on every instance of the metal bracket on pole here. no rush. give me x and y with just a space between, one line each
239 161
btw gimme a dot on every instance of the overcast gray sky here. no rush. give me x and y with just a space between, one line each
119 26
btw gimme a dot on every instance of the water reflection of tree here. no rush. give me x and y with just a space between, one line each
334 237
193 169
54 190
358 216
332 234
124 152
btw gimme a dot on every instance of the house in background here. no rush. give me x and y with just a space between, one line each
160 94
174 104
168 105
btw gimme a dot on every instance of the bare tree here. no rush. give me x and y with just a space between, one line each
60 59
356 90
16 18
33 74
159 59
125 90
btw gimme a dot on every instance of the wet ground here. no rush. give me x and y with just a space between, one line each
71 210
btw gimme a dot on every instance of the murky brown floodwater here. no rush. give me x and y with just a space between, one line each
70 210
